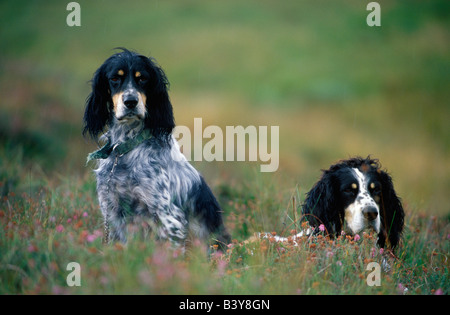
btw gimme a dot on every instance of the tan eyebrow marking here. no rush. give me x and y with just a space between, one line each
372 185
120 72
354 186
138 74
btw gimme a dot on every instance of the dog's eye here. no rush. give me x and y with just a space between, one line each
374 188
352 189
142 80
115 79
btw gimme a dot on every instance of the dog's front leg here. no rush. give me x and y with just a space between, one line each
172 225
113 218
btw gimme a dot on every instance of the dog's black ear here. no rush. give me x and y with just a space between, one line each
159 119
96 114
392 213
320 206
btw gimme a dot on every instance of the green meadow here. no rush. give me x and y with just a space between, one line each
335 87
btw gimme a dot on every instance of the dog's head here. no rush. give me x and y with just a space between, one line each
355 195
129 87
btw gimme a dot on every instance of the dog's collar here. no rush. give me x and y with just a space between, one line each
119 148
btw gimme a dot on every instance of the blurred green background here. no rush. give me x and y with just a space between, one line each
335 86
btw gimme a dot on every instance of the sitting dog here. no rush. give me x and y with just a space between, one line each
141 171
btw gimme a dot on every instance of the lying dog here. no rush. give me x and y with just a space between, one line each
351 196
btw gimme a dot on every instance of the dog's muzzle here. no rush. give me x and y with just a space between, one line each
370 213
130 99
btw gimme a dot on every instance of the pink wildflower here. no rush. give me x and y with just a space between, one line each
438 292
85 214
58 290
221 267
322 227
401 289
357 237
91 237
59 228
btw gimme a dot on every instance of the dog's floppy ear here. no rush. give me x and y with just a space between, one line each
96 114
320 205
159 119
392 214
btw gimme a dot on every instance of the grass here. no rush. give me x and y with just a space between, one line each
44 231
336 88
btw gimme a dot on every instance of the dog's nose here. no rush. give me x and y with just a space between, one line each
370 213
130 100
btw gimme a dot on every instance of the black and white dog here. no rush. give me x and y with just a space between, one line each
354 195
351 196
141 172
